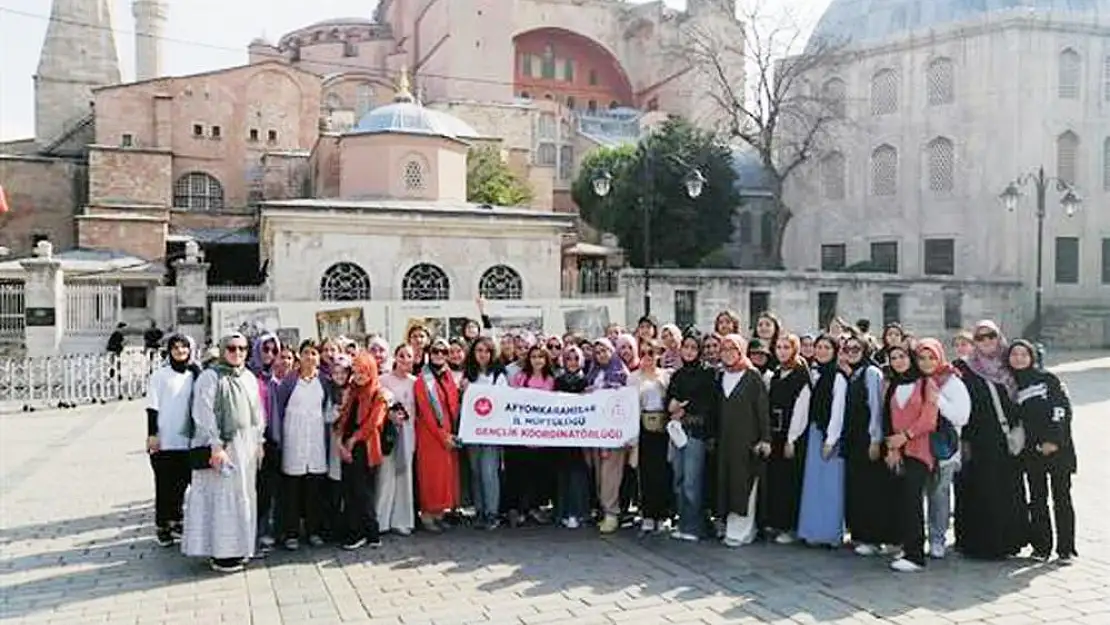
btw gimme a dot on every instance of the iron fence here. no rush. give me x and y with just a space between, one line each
12 305
72 380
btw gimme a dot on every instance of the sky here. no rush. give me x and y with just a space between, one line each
201 35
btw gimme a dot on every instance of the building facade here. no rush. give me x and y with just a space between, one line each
944 104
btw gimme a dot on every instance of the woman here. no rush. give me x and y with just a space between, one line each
992 518
672 340
609 372
437 416
303 407
483 367
727 322
628 350
359 427
418 339
768 328
647 328
1045 409
379 350
692 401
759 353
893 336
868 484
572 499
789 396
227 421
654 473
743 440
529 471
456 357
333 488
807 351
711 351
910 415
821 512
394 504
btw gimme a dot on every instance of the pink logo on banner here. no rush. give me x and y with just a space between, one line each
483 407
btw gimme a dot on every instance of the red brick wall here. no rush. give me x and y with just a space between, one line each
43 195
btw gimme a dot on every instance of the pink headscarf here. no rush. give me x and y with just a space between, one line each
627 340
738 342
945 369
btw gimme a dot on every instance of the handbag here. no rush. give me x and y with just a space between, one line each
945 441
388 436
1015 435
200 458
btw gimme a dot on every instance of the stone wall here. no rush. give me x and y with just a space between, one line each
796 296
43 196
130 175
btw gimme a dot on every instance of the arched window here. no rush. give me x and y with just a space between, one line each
1070 74
501 282
884 171
744 228
425 282
941 157
938 82
1106 164
832 176
344 282
198 190
835 92
413 175
884 92
1067 157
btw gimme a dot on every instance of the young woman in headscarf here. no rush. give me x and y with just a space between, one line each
628 350
609 372
227 421
671 338
437 444
909 415
743 441
654 473
359 427
572 499
954 409
788 394
821 511
395 505
336 389
264 357
1045 409
869 485
992 518
168 403
694 402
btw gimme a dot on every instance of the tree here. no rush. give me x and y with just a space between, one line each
651 177
781 116
490 181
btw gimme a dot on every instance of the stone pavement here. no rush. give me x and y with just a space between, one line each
76 547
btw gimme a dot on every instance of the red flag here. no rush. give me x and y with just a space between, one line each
3 201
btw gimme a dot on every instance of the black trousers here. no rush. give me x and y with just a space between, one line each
656 484
302 498
359 493
268 486
911 509
172 474
1040 472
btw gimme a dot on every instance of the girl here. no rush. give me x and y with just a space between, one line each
628 350
394 505
333 490
379 351
789 396
483 367
821 511
806 351
767 330
529 469
727 322
609 372
711 351
654 473
302 404
456 356
437 418
892 337
646 328
744 437
359 427
672 340
693 401
572 498
1045 409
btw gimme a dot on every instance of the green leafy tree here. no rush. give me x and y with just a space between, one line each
649 180
490 181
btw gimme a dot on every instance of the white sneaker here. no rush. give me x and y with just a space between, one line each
937 552
647 526
903 565
784 539
891 550
866 550
572 523
683 536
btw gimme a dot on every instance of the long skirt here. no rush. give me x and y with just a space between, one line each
991 512
221 511
394 495
869 489
821 515
782 489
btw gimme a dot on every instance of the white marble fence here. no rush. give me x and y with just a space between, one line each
72 380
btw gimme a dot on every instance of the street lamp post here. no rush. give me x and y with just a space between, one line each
694 183
1069 201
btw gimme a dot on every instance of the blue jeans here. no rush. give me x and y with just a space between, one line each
485 482
688 465
938 493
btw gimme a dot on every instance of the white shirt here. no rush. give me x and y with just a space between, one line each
302 442
653 390
171 394
729 380
839 403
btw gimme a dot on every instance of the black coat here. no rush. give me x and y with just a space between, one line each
1042 404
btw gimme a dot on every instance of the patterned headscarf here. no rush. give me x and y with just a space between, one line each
992 367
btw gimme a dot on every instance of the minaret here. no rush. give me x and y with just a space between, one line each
78 54
150 20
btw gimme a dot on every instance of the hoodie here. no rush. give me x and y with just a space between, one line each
267 385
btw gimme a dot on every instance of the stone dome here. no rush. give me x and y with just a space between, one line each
407 116
858 21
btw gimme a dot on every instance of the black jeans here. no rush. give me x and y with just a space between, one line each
359 494
656 483
303 497
268 486
911 510
1039 472
172 474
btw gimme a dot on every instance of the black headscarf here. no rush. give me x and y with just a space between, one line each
896 379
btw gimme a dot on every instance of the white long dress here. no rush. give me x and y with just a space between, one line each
394 503
221 511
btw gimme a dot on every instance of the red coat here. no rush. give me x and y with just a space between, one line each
437 465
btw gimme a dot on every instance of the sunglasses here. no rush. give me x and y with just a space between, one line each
269 349
986 336
237 348
438 350
554 346
853 350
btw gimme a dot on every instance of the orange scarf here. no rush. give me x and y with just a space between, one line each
371 406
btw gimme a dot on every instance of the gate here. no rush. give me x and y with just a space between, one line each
11 313
92 312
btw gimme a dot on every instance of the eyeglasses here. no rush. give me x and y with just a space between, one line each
237 348
853 350
986 336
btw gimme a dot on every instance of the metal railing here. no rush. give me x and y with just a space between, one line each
72 380
586 281
236 293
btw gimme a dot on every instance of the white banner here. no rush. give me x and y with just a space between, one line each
501 415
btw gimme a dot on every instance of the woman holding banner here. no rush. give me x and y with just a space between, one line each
572 498
609 372
482 367
437 417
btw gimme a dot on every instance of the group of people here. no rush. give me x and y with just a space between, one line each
816 438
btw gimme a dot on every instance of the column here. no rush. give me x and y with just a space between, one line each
192 294
44 299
